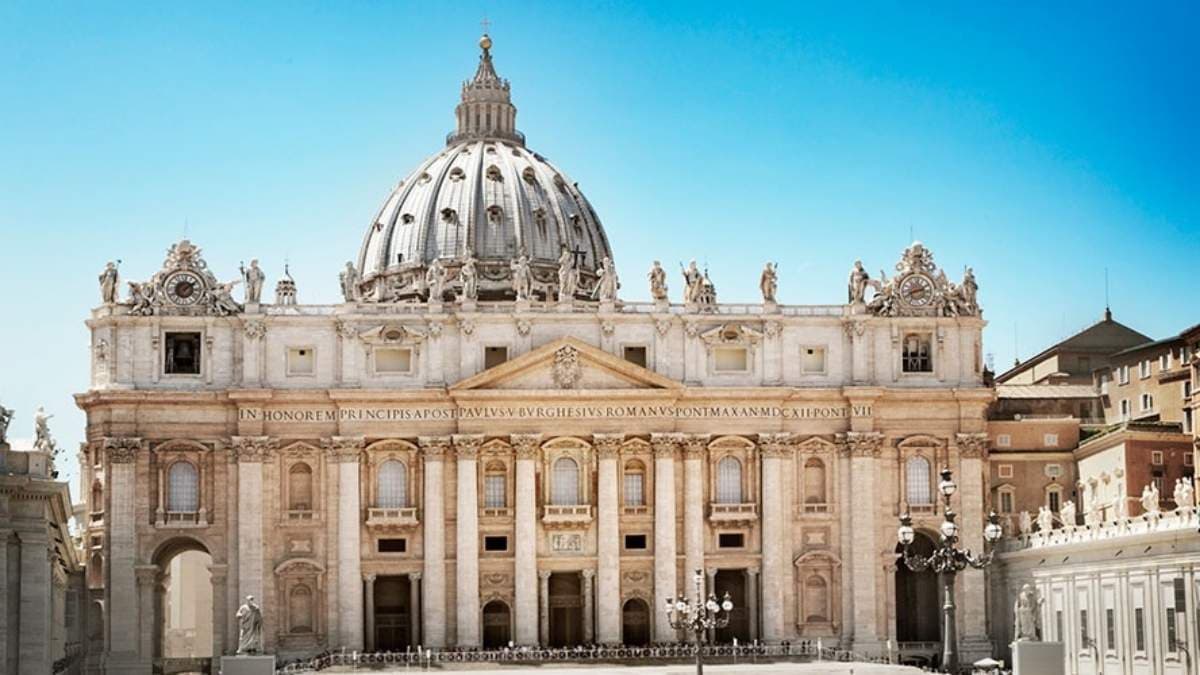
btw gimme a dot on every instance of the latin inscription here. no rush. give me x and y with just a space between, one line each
399 414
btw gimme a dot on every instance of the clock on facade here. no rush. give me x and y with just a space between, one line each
184 288
917 290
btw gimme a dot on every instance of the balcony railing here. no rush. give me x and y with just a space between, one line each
558 515
639 510
182 519
396 517
732 513
496 512
300 515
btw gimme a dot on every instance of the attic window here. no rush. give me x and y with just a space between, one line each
635 355
493 173
457 174
449 215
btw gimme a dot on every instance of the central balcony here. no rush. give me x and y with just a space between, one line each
732 514
398 518
559 516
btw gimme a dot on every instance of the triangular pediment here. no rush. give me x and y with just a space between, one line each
566 364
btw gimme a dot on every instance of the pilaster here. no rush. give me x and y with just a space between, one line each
250 452
346 453
695 450
774 449
121 590
433 450
608 546
466 448
864 449
666 446
525 447
972 451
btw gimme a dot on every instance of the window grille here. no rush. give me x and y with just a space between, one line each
183 488
729 481
393 485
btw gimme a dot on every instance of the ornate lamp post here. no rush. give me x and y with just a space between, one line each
699 615
947 560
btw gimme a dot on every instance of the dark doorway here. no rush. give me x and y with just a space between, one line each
734 583
918 614
635 623
496 622
393 614
566 609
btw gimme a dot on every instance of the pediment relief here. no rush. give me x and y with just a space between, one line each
299 448
817 559
816 444
299 566
731 334
392 335
566 364
921 441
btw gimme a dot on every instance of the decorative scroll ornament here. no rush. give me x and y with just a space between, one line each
184 286
255 330
252 448
736 334
972 445
122 450
565 370
860 443
920 288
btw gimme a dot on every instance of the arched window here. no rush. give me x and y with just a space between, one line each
495 486
95 570
916 478
183 488
814 481
1054 498
300 609
635 483
729 481
300 487
566 482
816 600
97 497
393 485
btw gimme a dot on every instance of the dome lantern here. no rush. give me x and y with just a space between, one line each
486 109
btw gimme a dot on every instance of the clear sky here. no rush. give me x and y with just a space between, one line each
1038 144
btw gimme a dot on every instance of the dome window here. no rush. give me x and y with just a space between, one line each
491 149
539 219
425 178
457 174
560 184
449 215
576 224
495 214
407 218
493 173
529 175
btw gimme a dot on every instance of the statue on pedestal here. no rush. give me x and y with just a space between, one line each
435 279
1150 498
970 291
1068 513
254 277
568 275
470 279
1025 523
41 429
6 415
858 283
249 617
1027 614
768 281
109 280
693 283
522 280
606 283
658 281
1045 520
349 281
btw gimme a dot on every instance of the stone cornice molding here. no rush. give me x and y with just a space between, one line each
608 446
860 443
252 448
972 445
695 446
525 446
666 445
466 446
433 448
779 445
122 449
344 448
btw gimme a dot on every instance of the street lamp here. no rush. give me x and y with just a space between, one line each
699 615
947 560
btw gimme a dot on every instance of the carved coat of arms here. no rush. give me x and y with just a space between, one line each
566 367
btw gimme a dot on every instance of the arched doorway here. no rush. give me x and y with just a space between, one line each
918 613
496 622
635 623
734 583
566 609
185 601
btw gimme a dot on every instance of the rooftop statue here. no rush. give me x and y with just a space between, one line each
435 279
1067 513
1025 523
42 441
693 282
1045 520
858 283
1150 498
768 281
470 278
658 281
349 282
522 278
607 283
109 283
250 626
568 275
1027 614
6 415
254 277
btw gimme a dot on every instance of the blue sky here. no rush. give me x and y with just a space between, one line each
1039 144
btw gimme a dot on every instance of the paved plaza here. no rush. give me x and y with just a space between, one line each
678 669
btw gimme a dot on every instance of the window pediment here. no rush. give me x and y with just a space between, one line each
299 567
731 335
393 335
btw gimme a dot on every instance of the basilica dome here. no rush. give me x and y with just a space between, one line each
484 196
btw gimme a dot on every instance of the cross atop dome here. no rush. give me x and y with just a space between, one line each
485 109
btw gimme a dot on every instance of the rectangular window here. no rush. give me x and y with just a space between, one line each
393 360
1124 409
635 355
1110 630
916 356
1139 629
1156 477
1083 628
1058 624
1144 369
494 356
1005 470
1049 440
1085 364
1147 402
635 494
1189 458
1004 441
1172 638
1187 420
493 491
1123 375
1187 389
300 361
1006 502
1053 500
1156 457
1164 362
730 360
731 540
392 545
635 542
812 360
495 544
182 354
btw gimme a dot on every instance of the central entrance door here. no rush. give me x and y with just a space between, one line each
734 583
566 609
393 613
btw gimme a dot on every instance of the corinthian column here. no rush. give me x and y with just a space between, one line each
345 453
121 590
608 546
695 449
466 449
250 452
774 449
665 447
525 447
864 448
433 450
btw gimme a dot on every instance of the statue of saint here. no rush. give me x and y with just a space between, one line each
435 279
140 294
568 275
692 282
658 281
969 290
41 431
349 281
522 280
768 281
249 618
1150 498
254 278
470 278
858 283
109 280
1025 523
1045 520
1186 498
1067 513
1027 611
6 415
223 301
606 283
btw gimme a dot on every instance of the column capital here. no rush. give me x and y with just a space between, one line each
252 448
711 572
751 572
972 445
695 446
544 575
525 446
608 446
433 448
860 443
781 445
466 446
415 576
344 448
588 574
122 449
369 577
666 445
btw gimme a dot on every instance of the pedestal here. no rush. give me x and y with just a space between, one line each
1038 658
252 308
248 665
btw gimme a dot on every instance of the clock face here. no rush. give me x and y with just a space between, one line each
917 290
184 288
